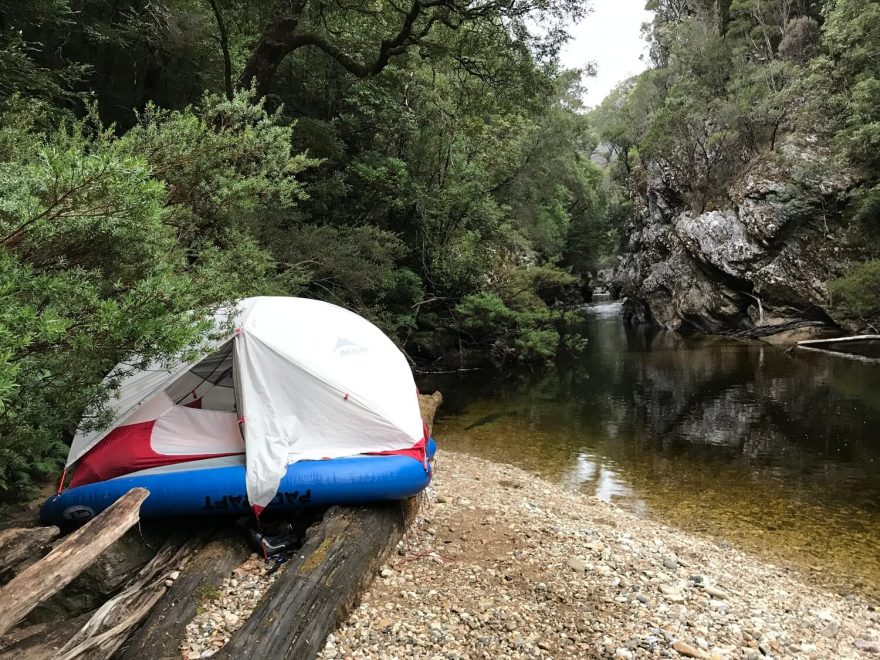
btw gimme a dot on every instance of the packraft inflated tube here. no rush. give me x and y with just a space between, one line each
221 490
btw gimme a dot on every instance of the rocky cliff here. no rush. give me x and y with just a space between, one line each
762 259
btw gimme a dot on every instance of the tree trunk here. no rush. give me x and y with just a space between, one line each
52 573
324 581
428 404
18 545
110 625
40 641
321 584
165 629
273 46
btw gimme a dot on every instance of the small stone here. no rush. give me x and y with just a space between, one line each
623 653
715 592
230 619
689 651
464 502
441 499
386 573
173 575
577 565
831 629
824 615
169 583
867 645
670 564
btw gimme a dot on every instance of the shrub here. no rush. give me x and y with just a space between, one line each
857 294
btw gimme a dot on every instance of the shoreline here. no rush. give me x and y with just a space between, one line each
503 563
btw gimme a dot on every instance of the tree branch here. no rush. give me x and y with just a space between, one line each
224 46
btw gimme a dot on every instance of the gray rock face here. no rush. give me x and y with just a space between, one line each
765 258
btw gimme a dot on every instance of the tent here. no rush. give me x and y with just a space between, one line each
288 380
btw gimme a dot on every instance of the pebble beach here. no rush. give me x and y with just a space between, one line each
503 564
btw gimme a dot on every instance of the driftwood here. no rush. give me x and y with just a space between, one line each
839 340
69 558
841 354
322 583
18 545
109 626
106 575
428 404
829 347
164 630
762 331
40 641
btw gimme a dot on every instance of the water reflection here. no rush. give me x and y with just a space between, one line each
777 452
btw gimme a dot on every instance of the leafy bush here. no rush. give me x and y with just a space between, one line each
857 294
114 249
511 321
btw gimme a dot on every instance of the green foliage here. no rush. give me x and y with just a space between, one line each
450 186
857 294
512 320
100 262
509 334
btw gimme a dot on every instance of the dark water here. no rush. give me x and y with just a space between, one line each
777 453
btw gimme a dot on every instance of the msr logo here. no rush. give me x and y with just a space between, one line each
346 347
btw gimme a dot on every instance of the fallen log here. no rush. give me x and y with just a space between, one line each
322 583
161 635
40 641
428 405
106 575
19 544
111 624
840 340
841 354
69 558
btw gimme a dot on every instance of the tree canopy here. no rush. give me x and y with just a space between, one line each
426 164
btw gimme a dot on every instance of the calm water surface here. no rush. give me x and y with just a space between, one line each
777 453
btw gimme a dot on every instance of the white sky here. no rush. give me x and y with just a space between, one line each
610 36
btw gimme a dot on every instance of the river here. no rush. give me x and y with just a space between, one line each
777 453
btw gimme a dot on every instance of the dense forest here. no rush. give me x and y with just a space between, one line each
426 165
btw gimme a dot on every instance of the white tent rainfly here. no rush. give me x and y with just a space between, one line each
291 380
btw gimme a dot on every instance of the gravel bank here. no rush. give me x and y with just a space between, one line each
505 565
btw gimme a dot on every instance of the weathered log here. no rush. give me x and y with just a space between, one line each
54 571
323 582
161 635
40 641
428 404
19 544
320 585
111 624
840 340
107 574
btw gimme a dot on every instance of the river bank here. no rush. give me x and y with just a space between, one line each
504 564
